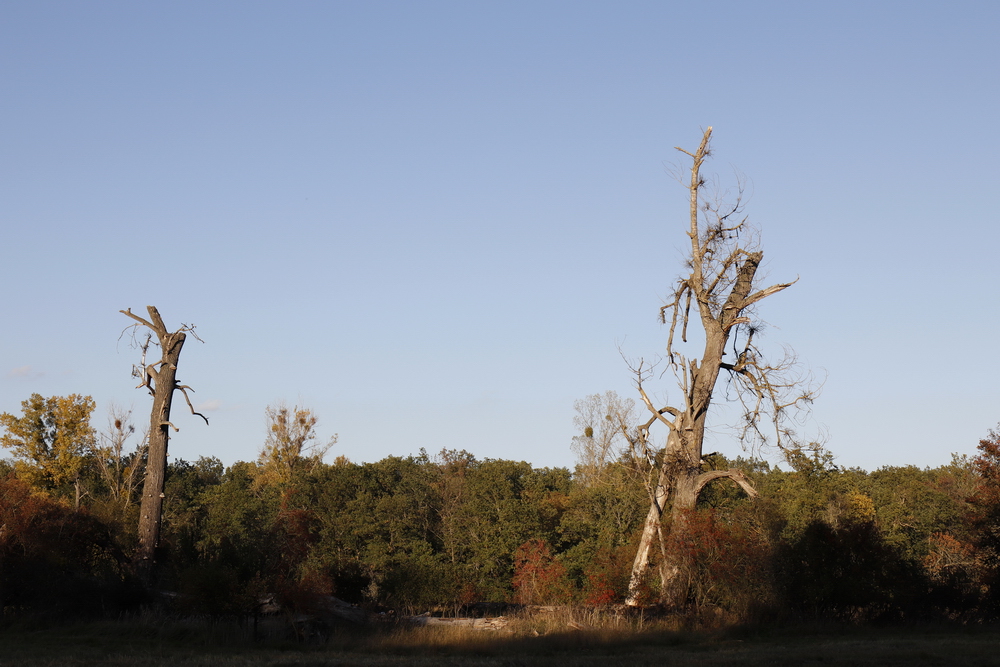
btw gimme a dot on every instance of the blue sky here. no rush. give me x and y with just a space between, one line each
435 223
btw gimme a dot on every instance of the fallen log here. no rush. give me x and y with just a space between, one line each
495 623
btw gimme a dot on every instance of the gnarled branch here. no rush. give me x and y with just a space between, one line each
736 475
184 390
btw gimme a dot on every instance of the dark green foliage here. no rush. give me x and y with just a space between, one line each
412 532
185 508
235 539
596 535
912 504
847 572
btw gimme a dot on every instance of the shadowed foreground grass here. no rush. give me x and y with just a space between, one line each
140 643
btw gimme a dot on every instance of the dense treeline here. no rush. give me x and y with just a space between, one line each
446 530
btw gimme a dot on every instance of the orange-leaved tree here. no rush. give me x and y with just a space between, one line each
539 578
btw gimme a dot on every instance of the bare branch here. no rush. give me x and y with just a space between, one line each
736 475
184 390
764 293
658 414
138 319
190 328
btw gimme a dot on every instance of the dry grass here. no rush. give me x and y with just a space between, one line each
566 637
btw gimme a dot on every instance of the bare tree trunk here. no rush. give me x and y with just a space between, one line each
160 378
640 565
675 561
151 508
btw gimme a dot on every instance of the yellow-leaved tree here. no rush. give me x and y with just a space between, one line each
51 440
291 444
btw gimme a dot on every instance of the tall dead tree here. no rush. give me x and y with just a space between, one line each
160 379
719 291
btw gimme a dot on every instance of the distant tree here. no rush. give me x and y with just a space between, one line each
723 287
912 505
51 440
847 571
601 421
119 466
188 487
451 472
235 535
160 379
507 504
291 444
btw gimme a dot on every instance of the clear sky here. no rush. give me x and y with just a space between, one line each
435 223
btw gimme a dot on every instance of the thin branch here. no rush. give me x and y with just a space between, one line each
184 388
674 412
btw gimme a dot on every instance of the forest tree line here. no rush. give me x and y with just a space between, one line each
445 530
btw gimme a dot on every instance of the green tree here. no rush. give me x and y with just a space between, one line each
235 534
51 440
188 488
396 509
507 504
599 521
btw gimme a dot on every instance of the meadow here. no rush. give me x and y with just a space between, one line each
562 639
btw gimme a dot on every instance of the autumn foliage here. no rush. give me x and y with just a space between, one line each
539 578
54 559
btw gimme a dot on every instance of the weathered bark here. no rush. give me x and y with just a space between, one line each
160 378
721 283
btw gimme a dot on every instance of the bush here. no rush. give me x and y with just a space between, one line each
55 560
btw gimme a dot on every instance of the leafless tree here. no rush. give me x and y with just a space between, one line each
719 291
601 420
160 379
119 468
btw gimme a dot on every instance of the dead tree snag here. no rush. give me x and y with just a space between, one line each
719 291
160 379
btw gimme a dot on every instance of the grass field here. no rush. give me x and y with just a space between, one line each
142 643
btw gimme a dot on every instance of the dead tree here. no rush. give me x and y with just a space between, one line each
719 291
159 378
